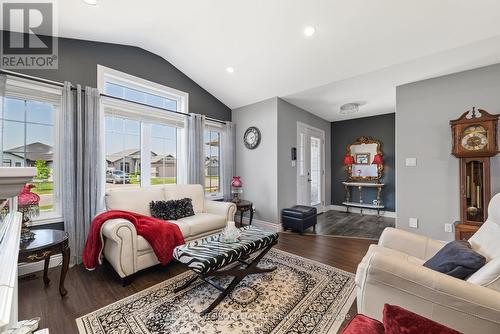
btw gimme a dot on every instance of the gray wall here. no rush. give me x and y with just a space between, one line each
258 167
381 127
430 191
288 116
78 60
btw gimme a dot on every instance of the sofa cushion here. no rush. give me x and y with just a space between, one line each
394 253
134 199
184 208
185 228
456 259
203 222
488 275
166 210
193 191
485 240
397 320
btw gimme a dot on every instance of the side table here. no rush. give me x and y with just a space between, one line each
47 243
243 206
464 231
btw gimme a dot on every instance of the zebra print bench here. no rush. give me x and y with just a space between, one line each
206 256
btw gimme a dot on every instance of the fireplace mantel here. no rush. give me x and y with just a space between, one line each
11 182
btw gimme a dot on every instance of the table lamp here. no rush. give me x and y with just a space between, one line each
28 205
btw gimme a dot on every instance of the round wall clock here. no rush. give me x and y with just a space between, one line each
251 137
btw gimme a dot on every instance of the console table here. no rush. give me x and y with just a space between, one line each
360 204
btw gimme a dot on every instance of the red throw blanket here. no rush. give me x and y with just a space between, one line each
163 236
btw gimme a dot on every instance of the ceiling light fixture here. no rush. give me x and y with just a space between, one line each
230 69
90 2
349 108
309 31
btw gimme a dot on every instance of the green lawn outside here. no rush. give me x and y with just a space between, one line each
163 180
156 180
42 188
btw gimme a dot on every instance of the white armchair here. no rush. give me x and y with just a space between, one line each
392 272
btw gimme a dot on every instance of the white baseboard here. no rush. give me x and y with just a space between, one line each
29 268
265 225
370 212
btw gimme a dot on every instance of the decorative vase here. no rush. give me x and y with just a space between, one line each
236 188
236 182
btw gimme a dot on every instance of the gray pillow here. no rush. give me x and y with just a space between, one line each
457 259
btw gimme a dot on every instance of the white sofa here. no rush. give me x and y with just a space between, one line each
128 252
392 272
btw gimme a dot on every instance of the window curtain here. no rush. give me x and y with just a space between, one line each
195 154
227 152
81 164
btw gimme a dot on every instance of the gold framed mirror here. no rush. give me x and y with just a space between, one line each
363 160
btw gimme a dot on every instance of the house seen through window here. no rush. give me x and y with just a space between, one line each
27 139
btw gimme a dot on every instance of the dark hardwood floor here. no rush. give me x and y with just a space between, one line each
355 225
91 290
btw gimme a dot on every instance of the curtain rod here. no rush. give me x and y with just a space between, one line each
60 84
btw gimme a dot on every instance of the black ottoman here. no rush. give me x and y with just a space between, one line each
298 218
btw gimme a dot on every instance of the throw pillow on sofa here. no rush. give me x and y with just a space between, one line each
457 259
165 210
184 208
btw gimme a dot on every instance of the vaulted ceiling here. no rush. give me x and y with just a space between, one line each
360 51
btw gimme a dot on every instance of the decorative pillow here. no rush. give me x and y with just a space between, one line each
361 324
457 259
184 208
397 320
165 210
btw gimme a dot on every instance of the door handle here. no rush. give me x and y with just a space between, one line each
309 180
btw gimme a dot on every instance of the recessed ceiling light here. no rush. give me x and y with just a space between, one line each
90 2
309 31
230 69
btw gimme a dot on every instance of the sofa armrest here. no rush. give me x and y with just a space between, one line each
120 247
410 243
458 304
226 209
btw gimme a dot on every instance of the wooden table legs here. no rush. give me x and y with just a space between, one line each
64 269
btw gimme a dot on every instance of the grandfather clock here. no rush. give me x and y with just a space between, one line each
474 142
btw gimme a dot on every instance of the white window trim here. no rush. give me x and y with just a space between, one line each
106 74
215 126
26 89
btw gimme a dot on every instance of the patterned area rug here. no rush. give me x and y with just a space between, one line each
300 296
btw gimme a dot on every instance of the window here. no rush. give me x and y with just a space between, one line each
128 87
212 142
144 145
28 138
135 95
123 150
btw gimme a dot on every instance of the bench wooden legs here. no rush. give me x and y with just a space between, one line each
237 272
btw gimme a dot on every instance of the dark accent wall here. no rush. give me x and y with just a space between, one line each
78 60
382 128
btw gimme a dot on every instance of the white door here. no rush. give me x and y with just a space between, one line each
310 166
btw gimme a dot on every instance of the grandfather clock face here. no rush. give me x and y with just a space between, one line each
474 138
475 134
